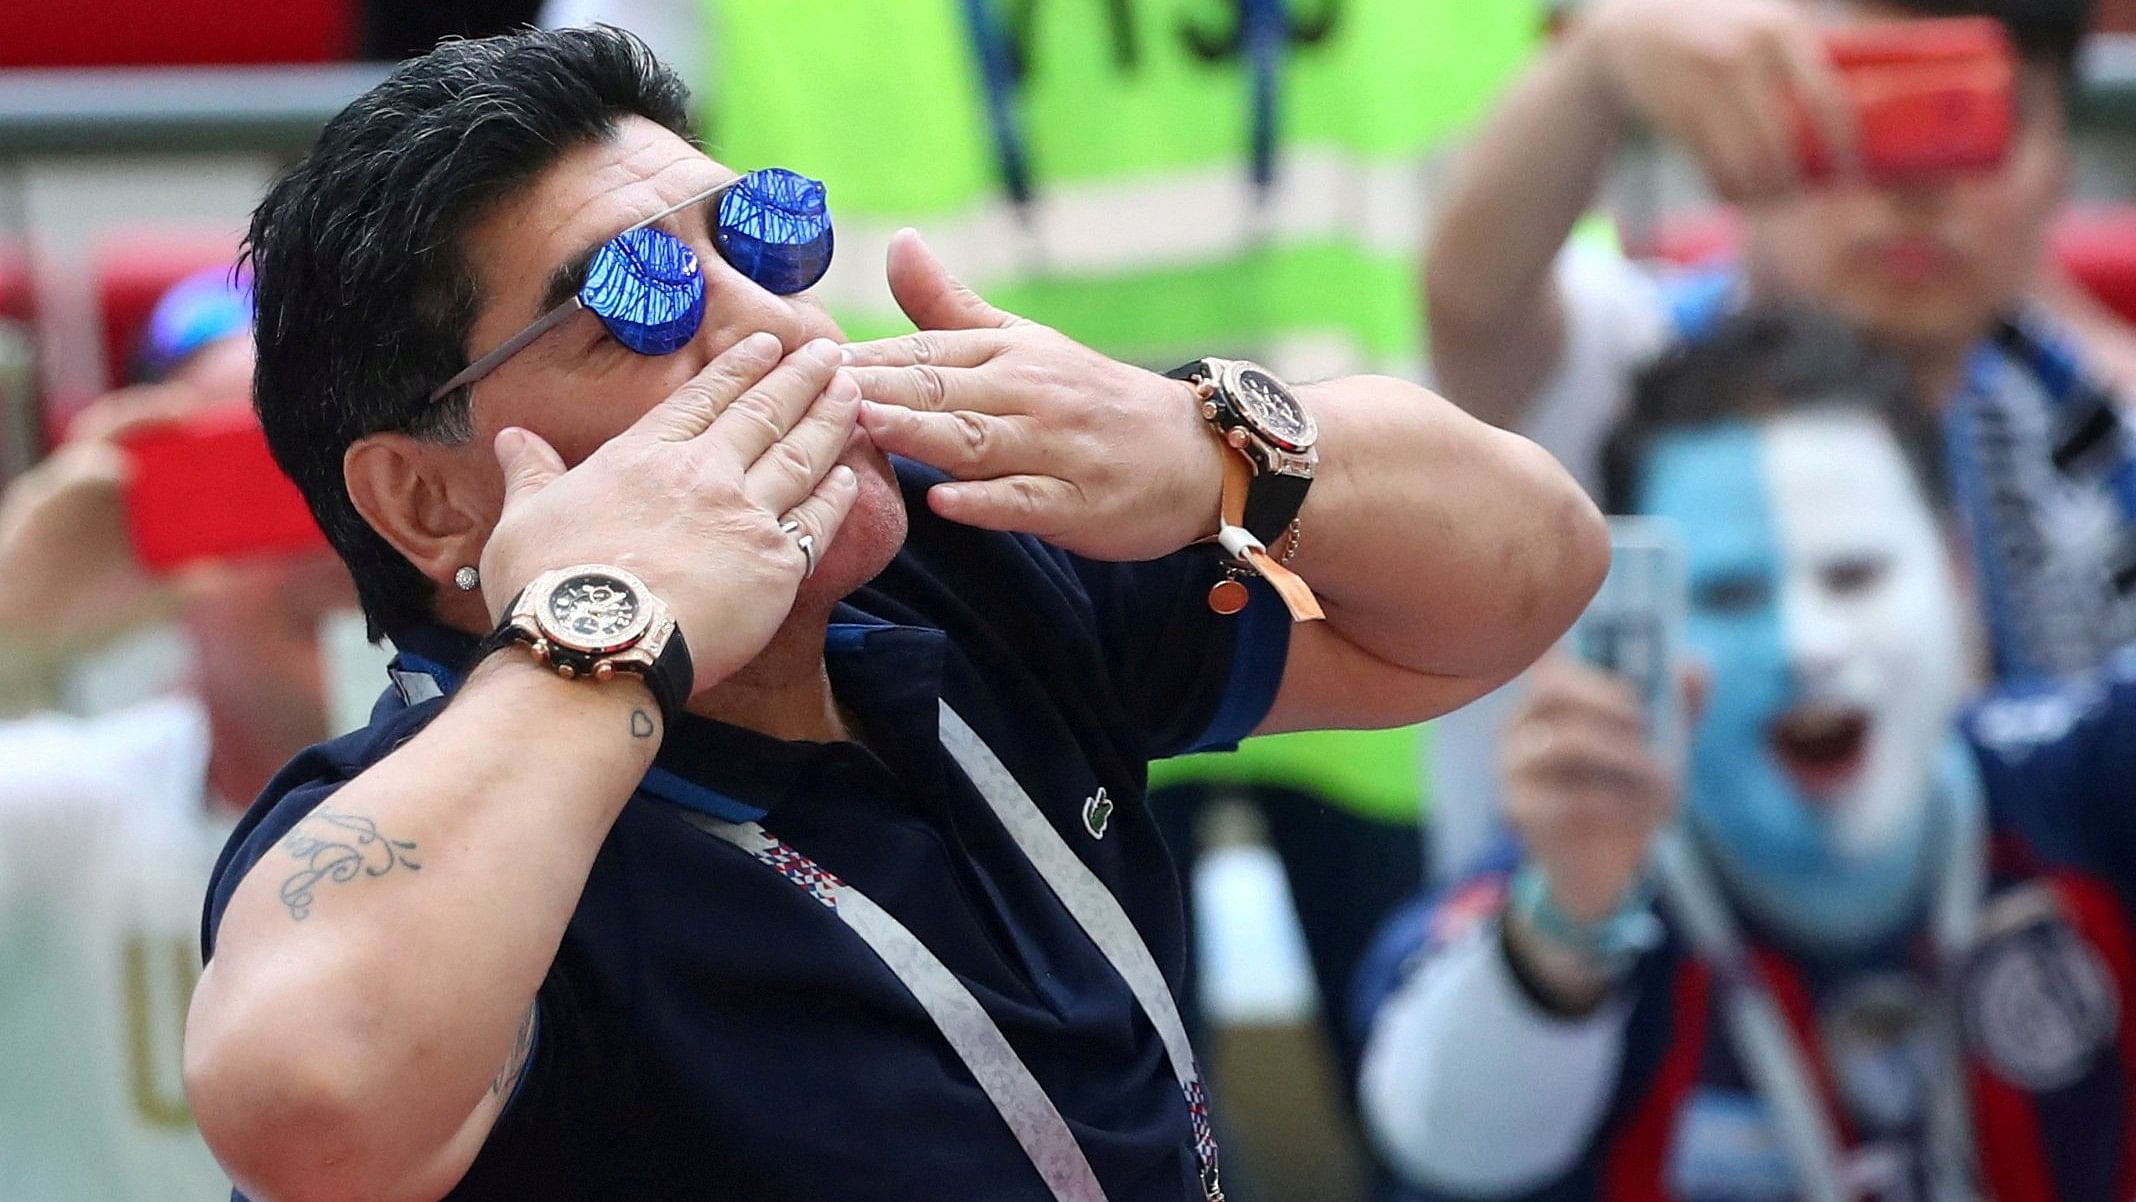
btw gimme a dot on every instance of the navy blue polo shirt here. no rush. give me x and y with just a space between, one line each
709 1029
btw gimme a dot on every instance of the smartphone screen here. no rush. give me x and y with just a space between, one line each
1634 626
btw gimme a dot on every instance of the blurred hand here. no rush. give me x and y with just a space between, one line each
690 498
67 568
1047 436
1720 78
1582 789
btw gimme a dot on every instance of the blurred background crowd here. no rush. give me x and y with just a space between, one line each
1802 872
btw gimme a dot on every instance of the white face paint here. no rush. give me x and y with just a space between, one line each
1871 618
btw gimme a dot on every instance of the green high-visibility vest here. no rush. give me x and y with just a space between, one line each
1145 237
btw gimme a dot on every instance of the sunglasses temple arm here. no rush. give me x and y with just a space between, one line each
512 346
704 197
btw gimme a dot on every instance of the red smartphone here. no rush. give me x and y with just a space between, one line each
205 487
1930 98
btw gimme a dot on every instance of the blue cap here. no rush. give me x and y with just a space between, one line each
207 306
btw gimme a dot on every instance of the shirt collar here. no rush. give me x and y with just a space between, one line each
888 676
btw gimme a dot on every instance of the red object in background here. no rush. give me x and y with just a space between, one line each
1693 238
1934 97
133 269
176 33
16 296
206 488
2097 246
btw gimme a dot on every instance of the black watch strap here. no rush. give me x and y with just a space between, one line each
1272 504
504 635
1272 498
670 678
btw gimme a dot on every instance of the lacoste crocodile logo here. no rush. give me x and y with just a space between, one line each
1097 811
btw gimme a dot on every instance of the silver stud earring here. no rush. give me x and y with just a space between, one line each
466 579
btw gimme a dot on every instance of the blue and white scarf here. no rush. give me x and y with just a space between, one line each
2043 467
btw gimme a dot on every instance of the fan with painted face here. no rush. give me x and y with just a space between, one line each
1824 604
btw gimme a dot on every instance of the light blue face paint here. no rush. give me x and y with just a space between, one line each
1778 850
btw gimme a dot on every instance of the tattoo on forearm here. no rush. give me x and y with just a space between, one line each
339 847
516 1063
641 724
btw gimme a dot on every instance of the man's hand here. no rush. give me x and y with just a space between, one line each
1581 788
1721 78
691 498
67 567
1044 435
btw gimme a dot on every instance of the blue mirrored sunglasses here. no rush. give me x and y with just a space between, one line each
648 288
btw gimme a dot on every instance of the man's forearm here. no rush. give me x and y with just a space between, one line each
374 970
1496 325
1439 544
1468 1088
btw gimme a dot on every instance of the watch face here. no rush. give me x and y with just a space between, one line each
1273 412
592 611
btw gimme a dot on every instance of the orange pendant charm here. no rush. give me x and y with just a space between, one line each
1228 596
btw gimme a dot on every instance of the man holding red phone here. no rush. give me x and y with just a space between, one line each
1937 265
1850 138
110 823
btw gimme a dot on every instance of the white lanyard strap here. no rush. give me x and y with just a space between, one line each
1775 1059
1769 1050
972 1034
1097 911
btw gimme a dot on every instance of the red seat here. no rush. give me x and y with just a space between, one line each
2095 244
17 300
173 33
1692 237
133 270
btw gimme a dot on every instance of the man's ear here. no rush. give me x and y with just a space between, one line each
431 501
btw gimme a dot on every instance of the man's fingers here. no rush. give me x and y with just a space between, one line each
941 348
1026 504
1807 73
131 410
1564 688
930 296
759 418
824 512
689 410
794 465
1565 755
963 443
927 388
528 462
1769 119
1729 147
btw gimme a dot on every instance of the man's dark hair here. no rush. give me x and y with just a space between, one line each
1759 364
364 294
2045 32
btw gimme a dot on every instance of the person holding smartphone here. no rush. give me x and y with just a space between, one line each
1935 267
110 822
1851 947
1948 271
